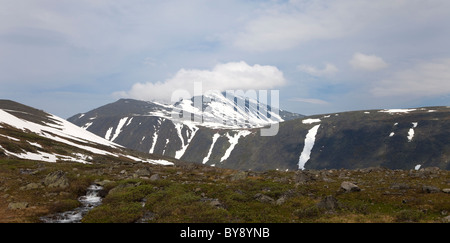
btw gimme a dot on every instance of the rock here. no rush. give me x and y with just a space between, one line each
28 171
430 189
400 186
349 187
143 172
103 183
241 175
56 179
329 203
302 177
446 190
31 186
154 177
281 200
216 203
148 216
17 205
446 219
263 198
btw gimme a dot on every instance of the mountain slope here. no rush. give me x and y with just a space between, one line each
395 139
28 133
151 127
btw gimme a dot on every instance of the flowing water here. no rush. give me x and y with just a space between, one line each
89 201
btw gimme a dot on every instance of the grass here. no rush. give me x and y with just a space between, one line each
196 194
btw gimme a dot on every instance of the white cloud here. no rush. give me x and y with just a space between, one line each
424 80
329 70
226 76
367 62
311 101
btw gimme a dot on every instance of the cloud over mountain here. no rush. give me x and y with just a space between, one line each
222 77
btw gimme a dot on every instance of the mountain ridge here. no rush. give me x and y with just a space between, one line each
32 134
352 139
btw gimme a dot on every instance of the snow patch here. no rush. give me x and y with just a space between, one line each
214 139
154 137
87 125
119 128
108 133
35 144
310 121
129 121
190 133
10 138
411 131
309 144
391 111
233 140
417 167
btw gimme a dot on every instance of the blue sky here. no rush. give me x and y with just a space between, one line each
67 57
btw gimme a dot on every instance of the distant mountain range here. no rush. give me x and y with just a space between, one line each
229 135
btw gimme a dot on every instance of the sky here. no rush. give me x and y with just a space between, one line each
68 57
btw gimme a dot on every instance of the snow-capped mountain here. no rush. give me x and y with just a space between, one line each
28 133
171 129
394 138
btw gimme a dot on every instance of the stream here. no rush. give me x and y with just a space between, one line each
89 201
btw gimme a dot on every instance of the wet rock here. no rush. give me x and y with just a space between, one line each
57 179
349 187
103 183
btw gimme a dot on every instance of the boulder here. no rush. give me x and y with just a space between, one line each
349 187
154 177
143 172
302 177
57 179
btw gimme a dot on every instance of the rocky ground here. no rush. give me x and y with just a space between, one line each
192 193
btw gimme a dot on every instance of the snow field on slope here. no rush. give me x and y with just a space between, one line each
214 140
233 140
309 144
